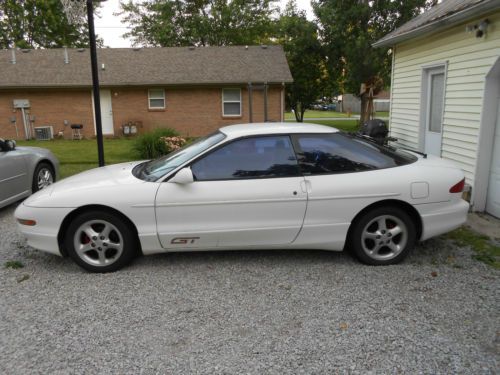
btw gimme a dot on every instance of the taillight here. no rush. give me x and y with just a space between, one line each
458 187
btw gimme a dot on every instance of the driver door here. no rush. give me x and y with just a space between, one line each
245 193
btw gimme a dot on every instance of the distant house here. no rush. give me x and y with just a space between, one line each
194 90
352 103
446 88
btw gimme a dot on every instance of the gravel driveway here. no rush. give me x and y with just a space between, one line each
281 312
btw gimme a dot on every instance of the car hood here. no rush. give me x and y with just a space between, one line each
111 175
95 186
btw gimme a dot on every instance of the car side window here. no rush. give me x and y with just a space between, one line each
249 158
338 153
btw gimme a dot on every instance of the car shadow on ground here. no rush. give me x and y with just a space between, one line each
430 253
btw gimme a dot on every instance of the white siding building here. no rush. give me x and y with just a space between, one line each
446 88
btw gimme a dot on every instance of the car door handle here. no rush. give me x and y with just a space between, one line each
306 186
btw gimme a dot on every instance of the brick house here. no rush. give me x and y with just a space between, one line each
193 90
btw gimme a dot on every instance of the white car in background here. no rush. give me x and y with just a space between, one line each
256 186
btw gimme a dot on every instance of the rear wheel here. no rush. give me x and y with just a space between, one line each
100 241
44 176
383 236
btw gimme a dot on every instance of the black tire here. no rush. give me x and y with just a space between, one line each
43 176
112 246
374 238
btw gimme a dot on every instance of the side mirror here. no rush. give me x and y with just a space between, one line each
184 176
7 145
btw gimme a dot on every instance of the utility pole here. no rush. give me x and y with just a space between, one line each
95 83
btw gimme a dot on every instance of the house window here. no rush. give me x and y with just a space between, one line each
231 102
156 98
432 110
436 98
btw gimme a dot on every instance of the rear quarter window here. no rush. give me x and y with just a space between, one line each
342 153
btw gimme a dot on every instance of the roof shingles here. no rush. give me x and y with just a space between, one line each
440 16
146 66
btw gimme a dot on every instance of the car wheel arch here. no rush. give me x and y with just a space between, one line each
73 214
44 161
407 207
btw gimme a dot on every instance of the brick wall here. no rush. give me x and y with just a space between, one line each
191 111
49 107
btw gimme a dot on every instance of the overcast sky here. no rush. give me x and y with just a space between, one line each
111 29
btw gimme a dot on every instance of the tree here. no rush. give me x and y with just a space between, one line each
168 23
348 30
303 50
39 24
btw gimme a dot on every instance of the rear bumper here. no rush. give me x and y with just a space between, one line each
439 218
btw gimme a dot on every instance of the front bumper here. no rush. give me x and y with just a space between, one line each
43 235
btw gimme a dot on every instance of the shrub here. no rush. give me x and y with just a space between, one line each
151 145
173 143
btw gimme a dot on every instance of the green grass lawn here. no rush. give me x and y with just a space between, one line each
327 114
316 114
78 156
485 250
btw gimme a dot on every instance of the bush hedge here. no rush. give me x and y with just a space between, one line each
151 146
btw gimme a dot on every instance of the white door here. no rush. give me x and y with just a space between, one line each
434 111
106 113
246 193
493 197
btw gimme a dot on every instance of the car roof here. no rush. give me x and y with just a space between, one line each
264 128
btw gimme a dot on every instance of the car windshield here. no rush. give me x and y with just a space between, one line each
155 169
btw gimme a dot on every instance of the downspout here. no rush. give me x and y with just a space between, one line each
27 131
392 87
250 102
265 102
282 101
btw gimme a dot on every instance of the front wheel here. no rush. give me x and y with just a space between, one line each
99 241
44 176
383 236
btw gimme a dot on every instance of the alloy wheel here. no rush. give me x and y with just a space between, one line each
98 243
44 178
384 237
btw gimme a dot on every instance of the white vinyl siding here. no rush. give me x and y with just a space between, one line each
468 60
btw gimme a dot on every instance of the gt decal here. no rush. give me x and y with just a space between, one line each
183 240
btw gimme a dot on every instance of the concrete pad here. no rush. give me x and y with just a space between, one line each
484 224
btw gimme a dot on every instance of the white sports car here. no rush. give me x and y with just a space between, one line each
258 186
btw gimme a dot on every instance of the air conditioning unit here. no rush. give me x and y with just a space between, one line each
44 133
